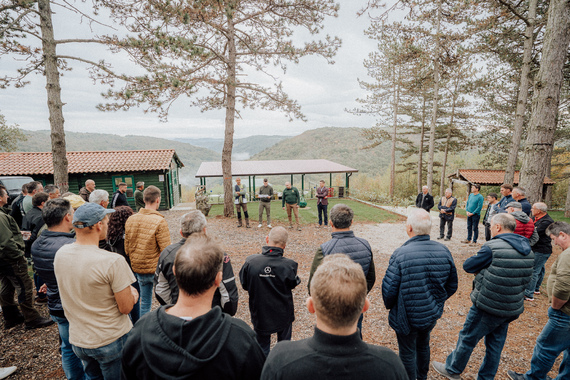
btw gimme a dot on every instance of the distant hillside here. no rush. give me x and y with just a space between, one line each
243 148
342 145
191 156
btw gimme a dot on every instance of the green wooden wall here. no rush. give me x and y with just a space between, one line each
104 181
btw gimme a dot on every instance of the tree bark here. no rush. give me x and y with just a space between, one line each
421 148
444 164
394 131
543 121
567 207
523 94
435 96
54 102
230 118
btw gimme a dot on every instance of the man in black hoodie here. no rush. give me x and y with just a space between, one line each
269 279
192 340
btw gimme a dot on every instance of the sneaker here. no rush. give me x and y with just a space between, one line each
515 375
440 368
537 292
473 243
39 323
41 301
440 237
528 298
269 226
7 371
298 228
259 225
446 239
465 241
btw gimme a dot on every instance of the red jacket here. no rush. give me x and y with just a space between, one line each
525 229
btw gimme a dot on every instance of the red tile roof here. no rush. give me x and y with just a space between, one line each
490 177
24 163
275 167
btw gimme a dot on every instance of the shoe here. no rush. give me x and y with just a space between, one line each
290 226
440 368
446 239
41 301
440 237
537 293
465 241
298 228
269 226
39 323
515 375
473 243
13 323
259 225
7 371
528 298
318 226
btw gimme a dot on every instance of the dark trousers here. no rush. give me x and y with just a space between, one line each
414 352
473 227
442 223
264 339
14 277
323 210
487 232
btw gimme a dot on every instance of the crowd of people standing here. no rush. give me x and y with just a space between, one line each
100 269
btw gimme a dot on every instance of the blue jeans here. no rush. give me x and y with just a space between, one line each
145 282
322 209
264 340
103 362
537 274
473 227
70 362
554 339
478 325
414 352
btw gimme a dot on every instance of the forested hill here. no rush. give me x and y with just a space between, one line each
342 145
190 155
243 148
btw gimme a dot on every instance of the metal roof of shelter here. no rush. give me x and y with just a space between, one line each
489 177
276 167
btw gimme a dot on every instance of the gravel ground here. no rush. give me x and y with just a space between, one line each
35 352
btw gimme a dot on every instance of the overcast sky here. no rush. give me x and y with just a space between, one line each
324 92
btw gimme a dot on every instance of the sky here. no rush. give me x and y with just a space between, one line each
324 91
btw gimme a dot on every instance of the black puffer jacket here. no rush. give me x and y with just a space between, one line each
544 243
43 252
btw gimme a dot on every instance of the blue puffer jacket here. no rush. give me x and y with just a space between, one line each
345 242
43 252
420 277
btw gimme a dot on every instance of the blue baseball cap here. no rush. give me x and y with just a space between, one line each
89 214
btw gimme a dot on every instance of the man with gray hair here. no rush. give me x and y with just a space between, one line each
424 199
335 350
542 248
100 197
53 191
344 241
420 277
139 200
502 269
85 192
269 279
165 286
446 206
519 195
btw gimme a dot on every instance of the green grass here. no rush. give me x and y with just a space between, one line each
558 216
309 214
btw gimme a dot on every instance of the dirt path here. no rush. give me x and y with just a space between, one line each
36 354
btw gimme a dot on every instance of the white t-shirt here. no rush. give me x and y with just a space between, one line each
88 278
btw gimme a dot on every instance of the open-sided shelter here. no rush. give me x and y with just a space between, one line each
107 168
251 169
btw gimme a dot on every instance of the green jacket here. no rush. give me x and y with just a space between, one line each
11 241
290 196
139 200
559 280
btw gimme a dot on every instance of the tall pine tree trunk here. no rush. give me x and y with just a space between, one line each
435 95
523 94
230 118
447 140
543 121
54 102
567 207
394 131
421 148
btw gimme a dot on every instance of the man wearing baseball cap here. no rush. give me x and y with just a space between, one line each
96 294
